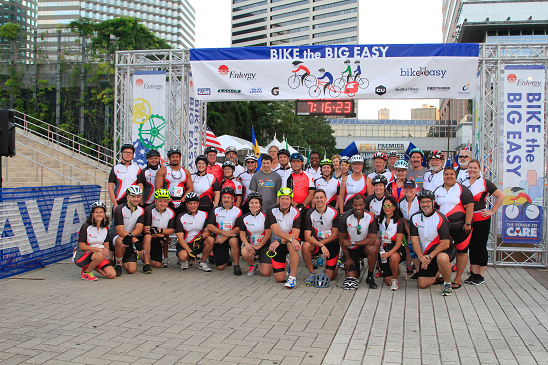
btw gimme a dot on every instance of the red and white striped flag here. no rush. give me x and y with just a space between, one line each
211 141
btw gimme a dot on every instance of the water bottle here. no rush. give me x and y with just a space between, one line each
381 249
252 240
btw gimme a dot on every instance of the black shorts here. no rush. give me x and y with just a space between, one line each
334 249
83 259
196 248
278 261
433 268
386 271
261 254
157 249
355 255
221 253
461 238
129 253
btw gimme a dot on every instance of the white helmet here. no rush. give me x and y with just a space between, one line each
251 156
401 164
356 158
134 190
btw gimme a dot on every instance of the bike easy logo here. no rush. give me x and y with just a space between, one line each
229 91
520 82
139 83
422 71
275 91
255 90
511 78
204 91
223 71
380 90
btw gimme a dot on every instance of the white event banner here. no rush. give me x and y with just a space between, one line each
148 113
522 157
389 71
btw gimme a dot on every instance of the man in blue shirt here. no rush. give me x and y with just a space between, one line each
325 75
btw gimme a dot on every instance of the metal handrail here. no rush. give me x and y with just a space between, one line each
73 142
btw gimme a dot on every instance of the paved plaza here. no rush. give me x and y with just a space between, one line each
193 317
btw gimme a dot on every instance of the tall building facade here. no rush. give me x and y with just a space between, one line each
490 21
171 20
384 113
294 22
427 112
24 13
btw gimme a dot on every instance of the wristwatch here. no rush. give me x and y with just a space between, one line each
467 224
429 257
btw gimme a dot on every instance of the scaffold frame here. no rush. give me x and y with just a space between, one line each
493 58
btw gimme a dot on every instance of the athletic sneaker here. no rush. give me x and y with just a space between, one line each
203 266
447 291
251 270
118 269
371 283
147 269
394 284
319 261
478 279
237 270
88 276
470 279
165 262
410 270
184 265
310 279
290 284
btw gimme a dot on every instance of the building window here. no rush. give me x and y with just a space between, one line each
337 22
238 1
333 32
249 6
289 40
249 22
290 5
290 31
256 12
336 41
291 13
289 22
248 39
256 29
332 5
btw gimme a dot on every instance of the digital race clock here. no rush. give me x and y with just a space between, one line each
342 108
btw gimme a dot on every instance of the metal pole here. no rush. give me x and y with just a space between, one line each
82 84
58 89
107 106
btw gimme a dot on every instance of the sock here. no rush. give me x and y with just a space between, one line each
119 260
292 277
370 274
446 283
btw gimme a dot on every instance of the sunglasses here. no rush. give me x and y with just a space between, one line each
387 206
359 229
463 156
250 162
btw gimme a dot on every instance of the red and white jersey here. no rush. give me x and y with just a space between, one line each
386 173
123 177
284 174
316 174
174 178
321 225
238 170
408 209
286 222
430 229
330 187
353 188
480 189
350 225
124 216
205 186
153 218
246 180
462 174
393 190
391 229
432 180
234 184
216 170
147 177
451 202
253 225
301 184
92 236
374 204
224 219
191 225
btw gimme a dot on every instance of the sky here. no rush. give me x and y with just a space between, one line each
380 22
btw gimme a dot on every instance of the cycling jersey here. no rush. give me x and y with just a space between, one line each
286 222
432 180
390 231
321 225
123 177
350 225
430 229
358 69
386 173
418 176
245 180
396 192
408 209
330 187
316 174
462 174
284 174
153 218
451 203
275 167
254 226
232 183
238 170
301 184
124 216
374 204
191 225
174 178
354 188
224 219
327 76
216 170
205 186
94 237
480 189
147 178
301 67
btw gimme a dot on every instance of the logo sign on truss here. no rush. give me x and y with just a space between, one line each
389 71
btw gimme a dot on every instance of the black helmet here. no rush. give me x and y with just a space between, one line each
153 153
126 146
379 179
228 190
173 150
192 197
201 158
428 194
283 151
255 195
321 281
210 149
229 164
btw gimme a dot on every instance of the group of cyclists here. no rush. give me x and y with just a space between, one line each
400 212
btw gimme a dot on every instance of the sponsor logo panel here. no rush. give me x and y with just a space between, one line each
229 91
380 90
204 91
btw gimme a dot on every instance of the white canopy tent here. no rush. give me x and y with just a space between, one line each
280 145
244 147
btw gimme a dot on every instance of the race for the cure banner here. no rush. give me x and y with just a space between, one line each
148 113
389 71
522 129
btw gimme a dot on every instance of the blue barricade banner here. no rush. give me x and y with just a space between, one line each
39 226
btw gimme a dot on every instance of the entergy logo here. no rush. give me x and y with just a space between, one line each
139 82
223 70
511 78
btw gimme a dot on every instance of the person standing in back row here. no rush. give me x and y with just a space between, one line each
122 176
417 171
267 183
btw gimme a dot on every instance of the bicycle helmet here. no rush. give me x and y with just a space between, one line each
286 192
356 159
152 153
297 62
426 194
381 155
326 161
229 164
162 194
192 197
251 156
255 195
401 164
231 149
409 183
357 61
283 151
416 150
201 158
210 149
173 150
347 61
98 205
345 159
436 154
350 284
379 179
321 281
228 190
321 69
296 156
393 154
134 190
125 146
